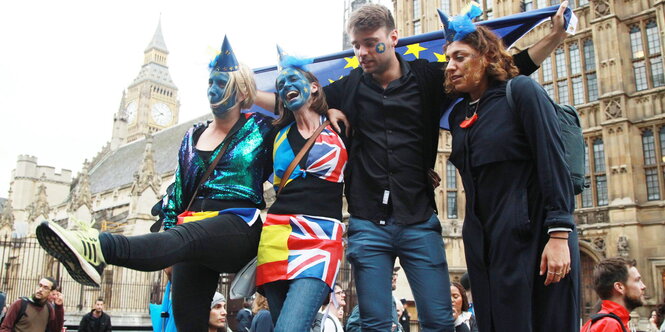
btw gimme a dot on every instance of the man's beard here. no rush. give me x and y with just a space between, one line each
632 303
36 300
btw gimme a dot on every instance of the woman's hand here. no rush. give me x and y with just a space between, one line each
555 260
336 116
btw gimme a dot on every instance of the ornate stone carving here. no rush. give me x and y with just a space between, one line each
613 109
40 206
601 7
146 176
592 217
7 216
599 244
623 248
81 193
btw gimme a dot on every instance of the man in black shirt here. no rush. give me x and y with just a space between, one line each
96 320
394 107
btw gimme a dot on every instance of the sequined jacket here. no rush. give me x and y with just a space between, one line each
238 176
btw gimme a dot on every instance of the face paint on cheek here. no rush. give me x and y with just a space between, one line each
217 91
380 48
293 89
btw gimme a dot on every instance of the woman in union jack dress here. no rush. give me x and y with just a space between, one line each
301 243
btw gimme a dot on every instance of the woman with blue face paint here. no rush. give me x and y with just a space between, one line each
219 232
301 243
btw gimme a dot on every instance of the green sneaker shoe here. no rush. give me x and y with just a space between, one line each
79 251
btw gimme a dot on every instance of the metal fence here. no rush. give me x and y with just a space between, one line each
24 263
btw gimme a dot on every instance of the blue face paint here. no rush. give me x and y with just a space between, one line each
380 48
217 85
293 88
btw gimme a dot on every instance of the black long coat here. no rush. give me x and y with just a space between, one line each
517 187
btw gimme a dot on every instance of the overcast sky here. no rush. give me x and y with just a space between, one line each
64 64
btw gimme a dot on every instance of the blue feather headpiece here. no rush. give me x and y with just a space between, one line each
458 27
226 60
289 61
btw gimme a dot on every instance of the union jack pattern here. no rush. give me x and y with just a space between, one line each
311 249
326 159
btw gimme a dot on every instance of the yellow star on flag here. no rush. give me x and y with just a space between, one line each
440 57
414 49
352 62
331 81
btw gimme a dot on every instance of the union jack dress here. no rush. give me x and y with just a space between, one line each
303 245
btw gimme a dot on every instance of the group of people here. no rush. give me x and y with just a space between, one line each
44 311
519 235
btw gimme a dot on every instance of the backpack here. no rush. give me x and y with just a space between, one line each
598 317
24 307
571 136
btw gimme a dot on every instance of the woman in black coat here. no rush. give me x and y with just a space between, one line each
519 236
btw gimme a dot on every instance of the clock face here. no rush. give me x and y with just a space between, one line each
161 114
131 112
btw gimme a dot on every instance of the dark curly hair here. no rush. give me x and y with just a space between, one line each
498 62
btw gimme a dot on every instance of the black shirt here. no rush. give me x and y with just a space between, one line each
388 167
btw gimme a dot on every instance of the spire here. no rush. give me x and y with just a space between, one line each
158 40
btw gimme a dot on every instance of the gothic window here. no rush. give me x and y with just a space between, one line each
451 190
587 194
594 163
649 148
562 86
636 41
583 2
653 150
547 69
647 59
592 86
578 90
640 71
549 89
541 3
560 58
653 41
451 200
417 14
575 63
445 6
527 5
589 55
416 9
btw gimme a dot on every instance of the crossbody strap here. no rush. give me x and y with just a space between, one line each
211 168
301 154
598 317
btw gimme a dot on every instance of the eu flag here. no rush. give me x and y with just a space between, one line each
332 67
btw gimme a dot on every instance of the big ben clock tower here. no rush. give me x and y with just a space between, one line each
151 102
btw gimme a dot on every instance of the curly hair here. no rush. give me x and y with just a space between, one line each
319 104
497 61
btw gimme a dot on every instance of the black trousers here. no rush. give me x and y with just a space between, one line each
198 251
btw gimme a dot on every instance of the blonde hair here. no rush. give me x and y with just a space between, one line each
241 80
260 302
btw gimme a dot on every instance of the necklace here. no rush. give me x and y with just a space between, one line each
469 121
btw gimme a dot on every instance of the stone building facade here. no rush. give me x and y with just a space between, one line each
611 70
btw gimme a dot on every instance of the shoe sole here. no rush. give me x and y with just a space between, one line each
78 267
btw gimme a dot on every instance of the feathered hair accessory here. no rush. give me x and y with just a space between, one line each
289 61
226 60
458 27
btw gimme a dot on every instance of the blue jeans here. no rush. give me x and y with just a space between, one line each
372 252
294 303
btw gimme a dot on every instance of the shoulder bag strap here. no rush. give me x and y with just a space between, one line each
225 145
301 154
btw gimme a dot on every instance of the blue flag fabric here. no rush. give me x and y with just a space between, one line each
332 67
